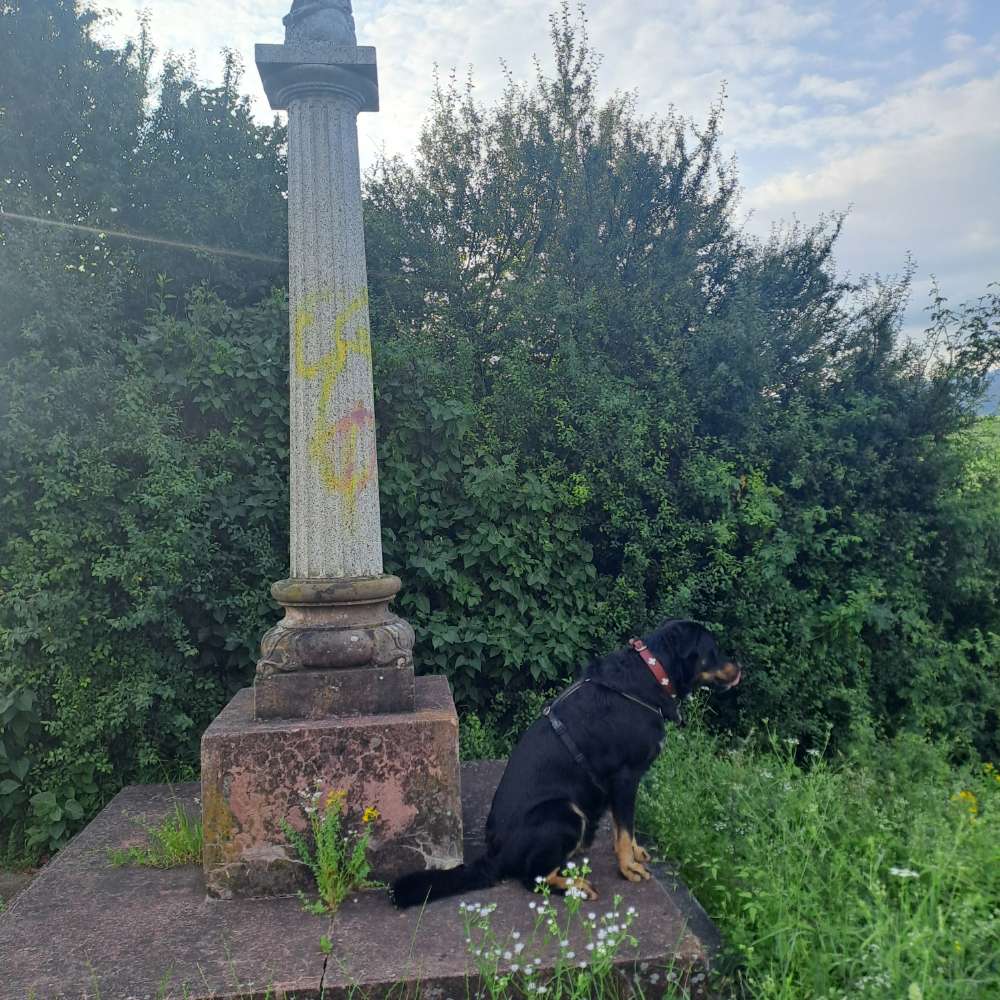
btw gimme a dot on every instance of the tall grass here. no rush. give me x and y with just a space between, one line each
874 875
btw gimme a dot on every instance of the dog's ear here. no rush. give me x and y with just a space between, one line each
679 636
685 642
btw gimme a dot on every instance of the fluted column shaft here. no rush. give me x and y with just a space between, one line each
335 527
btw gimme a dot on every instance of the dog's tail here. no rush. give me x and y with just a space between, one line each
420 887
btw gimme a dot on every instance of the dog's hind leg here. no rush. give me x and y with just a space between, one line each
551 832
563 882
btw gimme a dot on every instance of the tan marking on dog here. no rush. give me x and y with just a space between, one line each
727 676
583 827
627 863
640 853
562 883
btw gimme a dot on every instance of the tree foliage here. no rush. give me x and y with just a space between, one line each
600 403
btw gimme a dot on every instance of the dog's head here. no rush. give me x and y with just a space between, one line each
694 658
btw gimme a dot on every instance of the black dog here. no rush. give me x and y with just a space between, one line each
587 752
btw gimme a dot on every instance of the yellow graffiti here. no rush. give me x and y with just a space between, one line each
335 447
332 364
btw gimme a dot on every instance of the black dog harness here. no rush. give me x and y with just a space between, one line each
563 733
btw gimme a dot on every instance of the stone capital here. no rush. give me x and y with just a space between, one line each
316 69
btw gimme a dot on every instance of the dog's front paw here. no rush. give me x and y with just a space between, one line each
640 853
634 871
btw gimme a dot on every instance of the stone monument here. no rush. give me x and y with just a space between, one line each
335 701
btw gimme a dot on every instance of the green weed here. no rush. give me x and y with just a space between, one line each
515 965
176 840
338 861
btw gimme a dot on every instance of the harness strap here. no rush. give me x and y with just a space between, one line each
631 697
563 733
574 751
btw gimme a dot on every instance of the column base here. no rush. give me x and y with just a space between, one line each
252 770
339 650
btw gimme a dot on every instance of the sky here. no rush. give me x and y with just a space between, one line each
887 108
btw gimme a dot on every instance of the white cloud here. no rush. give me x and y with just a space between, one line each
825 88
923 181
959 42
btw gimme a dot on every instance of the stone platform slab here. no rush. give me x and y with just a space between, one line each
85 929
11 883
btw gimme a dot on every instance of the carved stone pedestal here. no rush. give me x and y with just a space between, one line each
339 650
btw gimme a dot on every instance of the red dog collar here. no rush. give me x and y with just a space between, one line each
655 667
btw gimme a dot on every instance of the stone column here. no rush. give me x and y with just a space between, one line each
335 705
338 649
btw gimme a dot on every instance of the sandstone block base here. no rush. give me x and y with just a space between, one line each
319 694
252 771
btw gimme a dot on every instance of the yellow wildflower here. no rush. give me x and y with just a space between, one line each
969 800
369 815
335 798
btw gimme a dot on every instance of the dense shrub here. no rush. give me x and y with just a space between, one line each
749 441
133 551
599 404
500 584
